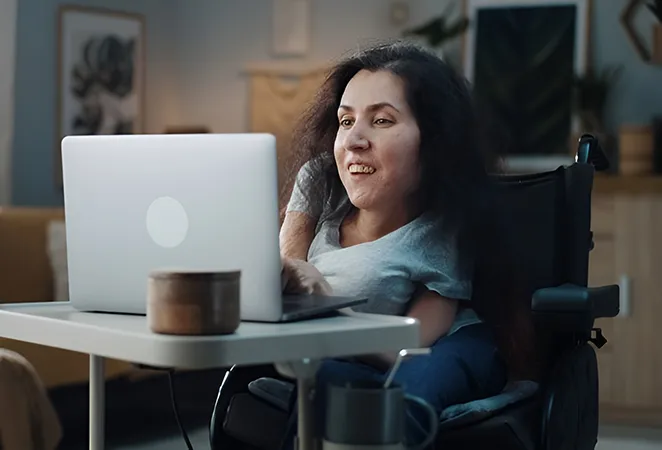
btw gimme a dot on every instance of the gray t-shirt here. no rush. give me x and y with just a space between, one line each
390 270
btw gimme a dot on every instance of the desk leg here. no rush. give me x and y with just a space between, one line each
97 402
306 414
304 372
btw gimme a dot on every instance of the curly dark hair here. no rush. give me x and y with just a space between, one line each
458 159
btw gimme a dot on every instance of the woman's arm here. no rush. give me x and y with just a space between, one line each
296 235
435 315
299 276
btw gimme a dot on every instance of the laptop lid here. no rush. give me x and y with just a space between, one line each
136 203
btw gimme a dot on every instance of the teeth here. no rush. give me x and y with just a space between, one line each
360 168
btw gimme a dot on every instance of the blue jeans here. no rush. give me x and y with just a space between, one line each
462 367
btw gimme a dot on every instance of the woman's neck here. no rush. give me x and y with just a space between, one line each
372 225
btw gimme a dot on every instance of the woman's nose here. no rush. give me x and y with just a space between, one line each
355 140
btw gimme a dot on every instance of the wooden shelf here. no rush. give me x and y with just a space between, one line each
633 185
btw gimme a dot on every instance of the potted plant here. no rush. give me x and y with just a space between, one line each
591 93
655 6
590 96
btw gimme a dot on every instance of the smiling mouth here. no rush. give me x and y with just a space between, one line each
361 169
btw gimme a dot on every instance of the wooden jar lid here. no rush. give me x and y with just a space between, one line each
195 275
193 303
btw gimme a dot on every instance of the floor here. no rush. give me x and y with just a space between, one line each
611 438
199 440
622 438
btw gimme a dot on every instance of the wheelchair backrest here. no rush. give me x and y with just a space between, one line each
550 214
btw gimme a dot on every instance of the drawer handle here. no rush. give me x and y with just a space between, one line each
625 287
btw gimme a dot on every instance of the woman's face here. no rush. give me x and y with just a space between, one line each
377 145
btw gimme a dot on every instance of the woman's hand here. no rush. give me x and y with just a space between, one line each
301 277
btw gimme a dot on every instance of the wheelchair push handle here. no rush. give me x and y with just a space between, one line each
589 151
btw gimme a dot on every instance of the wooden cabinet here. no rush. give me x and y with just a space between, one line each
627 230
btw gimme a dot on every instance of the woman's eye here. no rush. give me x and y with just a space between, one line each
382 121
345 122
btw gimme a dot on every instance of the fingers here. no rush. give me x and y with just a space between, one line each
300 277
283 280
325 288
306 286
317 286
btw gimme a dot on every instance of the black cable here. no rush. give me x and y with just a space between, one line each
290 429
173 399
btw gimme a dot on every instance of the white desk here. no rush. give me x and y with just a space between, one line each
294 347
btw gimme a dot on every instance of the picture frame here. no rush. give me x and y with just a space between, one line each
100 74
571 53
582 27
291 27
649 54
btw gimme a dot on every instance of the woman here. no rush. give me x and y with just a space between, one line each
392 200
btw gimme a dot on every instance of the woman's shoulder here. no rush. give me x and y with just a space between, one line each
440 265
318 192
431 239
335 208
428 228
310 189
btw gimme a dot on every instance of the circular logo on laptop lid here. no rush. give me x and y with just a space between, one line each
167 222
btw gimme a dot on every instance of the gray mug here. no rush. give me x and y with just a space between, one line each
366 416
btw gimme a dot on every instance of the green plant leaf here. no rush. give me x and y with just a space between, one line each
437 31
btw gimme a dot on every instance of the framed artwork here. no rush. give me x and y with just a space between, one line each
100 73
629 23
522 57
8 14
291 27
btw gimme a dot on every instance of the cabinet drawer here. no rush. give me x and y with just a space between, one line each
602 215
602 272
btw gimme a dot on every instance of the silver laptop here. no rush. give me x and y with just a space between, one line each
137 203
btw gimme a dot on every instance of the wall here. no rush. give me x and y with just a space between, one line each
211 57
197 52
35 90
217 40
8 9
638 94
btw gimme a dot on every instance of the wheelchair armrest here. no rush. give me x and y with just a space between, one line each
574 308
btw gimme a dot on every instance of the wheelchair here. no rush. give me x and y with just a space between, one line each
552 212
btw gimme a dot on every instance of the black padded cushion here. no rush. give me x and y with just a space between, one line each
517 428
278 393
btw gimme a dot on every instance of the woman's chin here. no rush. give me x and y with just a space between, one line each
362 201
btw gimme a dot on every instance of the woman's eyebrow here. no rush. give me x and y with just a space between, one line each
373 107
